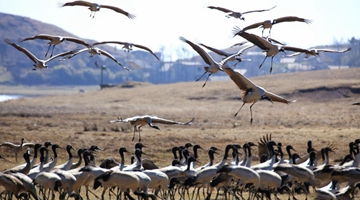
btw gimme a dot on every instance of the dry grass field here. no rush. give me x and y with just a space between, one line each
322 113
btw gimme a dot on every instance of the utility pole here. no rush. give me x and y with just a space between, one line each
102 68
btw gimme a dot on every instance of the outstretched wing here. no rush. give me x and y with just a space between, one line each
105 42
22 49
71 53
277 98
291 19
262 144
77 40
75 52
217 51
155 119
296 49
258 41
40 36
78 3
221 9
293 54
258 10
252 26
206 57
119 10
112 58
234 55
333 51
145 48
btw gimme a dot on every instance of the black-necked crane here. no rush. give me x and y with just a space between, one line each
350 176
269 180
38 63
229 56
211 153
48 181
298 173
267 165
125 181
271 49
139 121
267 24
55 40
213 66
11 184
244 174
67 165
93 51
316 52
46 145
79 162
50 165
252 93
238 15
137 165
159 181
18 148
28 185
68 181
36 170
95 7
128 46
25 169
120 165
33 161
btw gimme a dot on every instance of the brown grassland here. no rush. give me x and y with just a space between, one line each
322 113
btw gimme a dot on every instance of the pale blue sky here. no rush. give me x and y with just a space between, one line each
159 23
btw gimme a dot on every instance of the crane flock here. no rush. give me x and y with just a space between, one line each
311 173
145 179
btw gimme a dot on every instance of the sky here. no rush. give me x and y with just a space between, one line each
159 23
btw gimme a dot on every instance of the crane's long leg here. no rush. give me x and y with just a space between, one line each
236 63
52 52
239 110
272 58
269 33
139 134
262 62
251 120
134 133
48 50
206 80
201 76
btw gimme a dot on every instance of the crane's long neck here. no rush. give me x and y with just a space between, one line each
289 153
174 150
80 158
69 152
122 163
249 160
211 157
